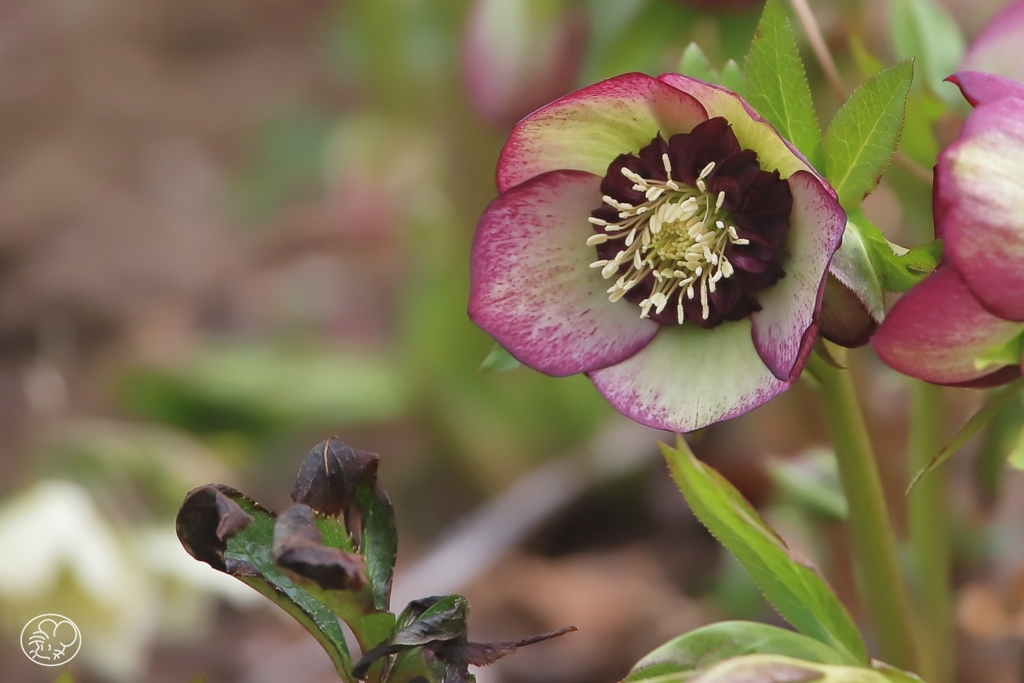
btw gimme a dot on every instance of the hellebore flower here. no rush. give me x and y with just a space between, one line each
661 237
962 325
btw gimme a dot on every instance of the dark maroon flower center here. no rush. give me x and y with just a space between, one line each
691 227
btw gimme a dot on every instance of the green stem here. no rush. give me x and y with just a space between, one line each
880 581
929 527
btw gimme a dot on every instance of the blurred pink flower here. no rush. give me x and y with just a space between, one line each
520 54
713 232
962 325
999 48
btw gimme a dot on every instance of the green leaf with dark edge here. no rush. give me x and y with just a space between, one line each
424 622
776 83
923 29
299 549
795 588
209 526
711 644
65 677
499 360
812 481
996 401
336 479
380 542
897 269
695 64
865 133
335 578
438 624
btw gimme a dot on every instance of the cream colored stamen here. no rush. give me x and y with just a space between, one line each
678 235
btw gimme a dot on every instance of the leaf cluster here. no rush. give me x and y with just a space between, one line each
331 556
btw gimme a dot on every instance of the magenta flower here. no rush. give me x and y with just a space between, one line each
962 325
661 237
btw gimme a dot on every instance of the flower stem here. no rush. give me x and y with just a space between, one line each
880 581
929 527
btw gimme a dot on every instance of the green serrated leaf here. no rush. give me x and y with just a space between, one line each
696 65
499 360
996 401
865 133
334 534
776 83
380 542
427 621
797 590
711 644
923 29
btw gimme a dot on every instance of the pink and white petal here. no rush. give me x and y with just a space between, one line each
531 285
979 205
586 130
999 48
689 377
978 87
752 131
790 306
937 331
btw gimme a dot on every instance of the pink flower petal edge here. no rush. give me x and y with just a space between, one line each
688 378
937 330
979 205
790 307
979 87
586 130
531 285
